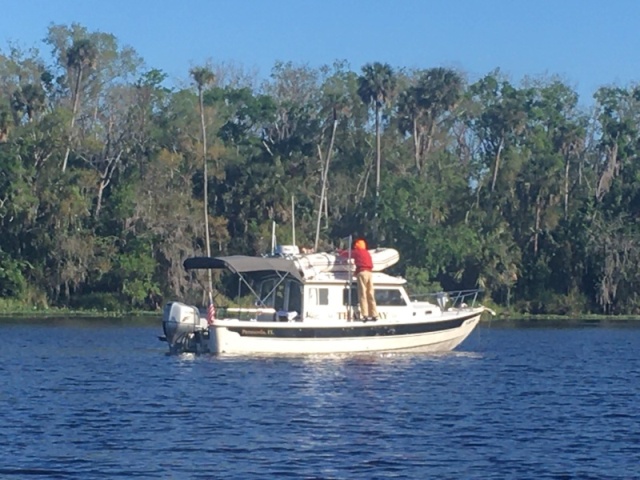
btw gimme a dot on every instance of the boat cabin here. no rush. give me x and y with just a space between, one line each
328 297
314 288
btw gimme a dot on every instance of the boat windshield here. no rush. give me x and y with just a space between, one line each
281 295
272 294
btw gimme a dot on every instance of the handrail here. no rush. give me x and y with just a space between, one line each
455 298
222 312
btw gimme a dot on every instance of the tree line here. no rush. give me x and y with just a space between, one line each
106 174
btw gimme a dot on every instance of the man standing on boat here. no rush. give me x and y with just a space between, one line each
364 265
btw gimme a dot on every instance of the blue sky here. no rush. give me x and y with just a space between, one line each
588 43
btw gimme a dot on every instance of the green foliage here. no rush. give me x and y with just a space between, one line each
512 188
11 305
12 281
419 283
135 272
572 304
100 302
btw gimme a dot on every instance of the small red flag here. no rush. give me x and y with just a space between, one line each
211 311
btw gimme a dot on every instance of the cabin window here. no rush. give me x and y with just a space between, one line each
295 297
389 298
354 296
323 296
385 297
319 296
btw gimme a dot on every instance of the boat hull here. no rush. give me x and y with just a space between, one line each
229 337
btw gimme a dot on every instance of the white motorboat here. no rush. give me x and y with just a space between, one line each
307 303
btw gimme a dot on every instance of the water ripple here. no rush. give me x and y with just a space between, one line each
85 400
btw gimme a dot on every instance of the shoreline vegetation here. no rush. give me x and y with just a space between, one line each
111 175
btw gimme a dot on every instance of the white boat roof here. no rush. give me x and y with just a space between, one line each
262 266
331 278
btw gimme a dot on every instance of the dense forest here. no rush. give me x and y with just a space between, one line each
106 174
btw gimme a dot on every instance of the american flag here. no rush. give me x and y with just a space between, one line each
211 311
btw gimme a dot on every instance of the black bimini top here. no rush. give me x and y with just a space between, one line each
244 264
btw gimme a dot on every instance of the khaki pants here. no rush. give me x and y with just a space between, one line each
366 298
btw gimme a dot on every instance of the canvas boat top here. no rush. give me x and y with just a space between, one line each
302 267
245 264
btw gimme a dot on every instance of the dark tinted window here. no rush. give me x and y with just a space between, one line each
295 297
388 297
354 296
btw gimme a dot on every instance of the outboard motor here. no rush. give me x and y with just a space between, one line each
442 298
183 327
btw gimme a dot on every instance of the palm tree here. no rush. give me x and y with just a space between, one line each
423 107
81 58
376 86
29 99
203 77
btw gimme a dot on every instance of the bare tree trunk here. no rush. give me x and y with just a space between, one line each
497 164
101 188
105 179
537 226
325 175
427 148
416 143
566 189
580 168
73 119
377 151
609 174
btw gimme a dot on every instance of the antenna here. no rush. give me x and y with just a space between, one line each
293 219
273 238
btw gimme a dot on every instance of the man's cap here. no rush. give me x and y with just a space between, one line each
360 244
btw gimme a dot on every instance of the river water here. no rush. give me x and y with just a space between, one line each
101 399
